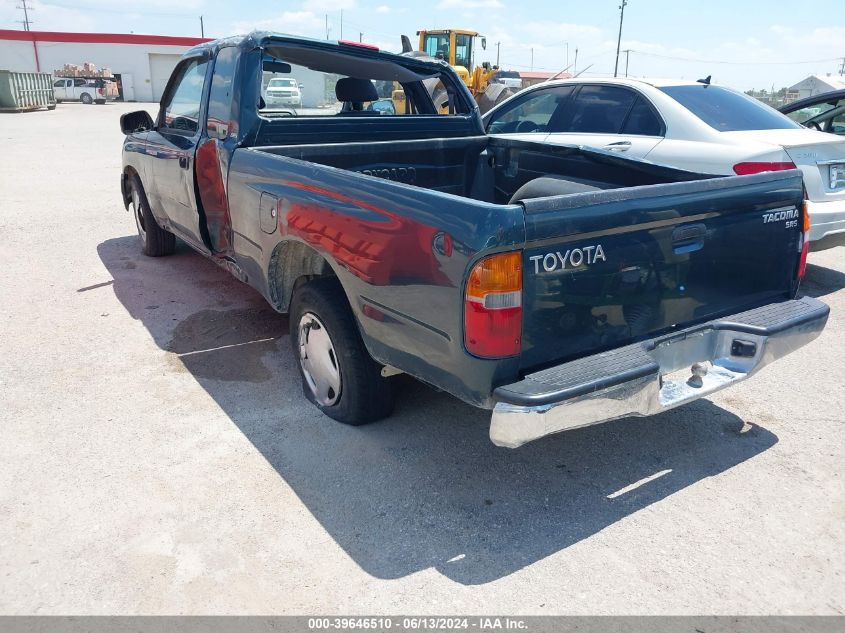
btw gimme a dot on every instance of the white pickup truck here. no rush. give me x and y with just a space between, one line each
85 90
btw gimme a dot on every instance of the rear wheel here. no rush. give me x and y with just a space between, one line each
338 374
86 98
155 241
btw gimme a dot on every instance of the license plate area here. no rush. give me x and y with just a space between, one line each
837 175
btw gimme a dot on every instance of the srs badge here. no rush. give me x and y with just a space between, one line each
572 258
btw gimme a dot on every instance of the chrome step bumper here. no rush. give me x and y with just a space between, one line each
640 380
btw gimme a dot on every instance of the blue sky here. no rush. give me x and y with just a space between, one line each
744 43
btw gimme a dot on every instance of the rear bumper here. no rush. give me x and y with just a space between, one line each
827 224
635 380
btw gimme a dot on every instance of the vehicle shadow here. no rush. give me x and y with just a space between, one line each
425 488
820 281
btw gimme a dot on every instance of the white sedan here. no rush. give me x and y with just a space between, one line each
688 125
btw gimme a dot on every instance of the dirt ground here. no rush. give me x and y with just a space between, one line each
157 455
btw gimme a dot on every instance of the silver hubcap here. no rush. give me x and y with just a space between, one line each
139 215
318 360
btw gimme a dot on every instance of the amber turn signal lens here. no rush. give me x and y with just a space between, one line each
495 274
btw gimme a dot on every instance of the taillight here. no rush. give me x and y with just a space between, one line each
100 92
745 169
371 47
493 307
805 241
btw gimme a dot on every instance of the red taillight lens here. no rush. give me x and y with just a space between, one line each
805 242
371 47
493 307
100 92
746 169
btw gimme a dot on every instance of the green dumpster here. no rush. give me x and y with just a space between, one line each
20 92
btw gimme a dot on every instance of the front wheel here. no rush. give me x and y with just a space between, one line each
338 374
155 241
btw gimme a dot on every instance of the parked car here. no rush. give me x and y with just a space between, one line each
509 78
283 91
96 90
824 112
417 244
688 125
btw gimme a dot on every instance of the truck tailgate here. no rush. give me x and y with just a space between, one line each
607 268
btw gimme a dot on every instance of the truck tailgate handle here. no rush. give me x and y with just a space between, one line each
184 163
688 238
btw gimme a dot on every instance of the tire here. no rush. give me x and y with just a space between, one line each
86 98
440 99
493 96
100 102
155 241
343 381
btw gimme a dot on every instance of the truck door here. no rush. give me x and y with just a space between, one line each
59 90
172 146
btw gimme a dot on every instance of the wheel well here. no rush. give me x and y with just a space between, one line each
292 264
125 177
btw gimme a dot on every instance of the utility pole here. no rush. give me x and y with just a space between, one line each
619 39
575 64
498 50
328 30
360 36
627 55
532 58
26 23
842 67
341 24
202 28
567 54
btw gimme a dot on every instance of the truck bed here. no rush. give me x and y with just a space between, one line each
480 167
677 248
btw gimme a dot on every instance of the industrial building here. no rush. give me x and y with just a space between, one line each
142 63
817 84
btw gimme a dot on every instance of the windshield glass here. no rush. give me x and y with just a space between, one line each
282 83
305 81
726 110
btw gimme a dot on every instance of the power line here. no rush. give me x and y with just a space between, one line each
734 63
90 9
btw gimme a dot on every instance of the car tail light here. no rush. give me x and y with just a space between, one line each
493 307
100 92
804 244
746 169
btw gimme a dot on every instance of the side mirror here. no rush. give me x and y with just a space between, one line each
138 121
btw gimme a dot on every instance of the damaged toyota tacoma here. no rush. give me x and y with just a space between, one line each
556 286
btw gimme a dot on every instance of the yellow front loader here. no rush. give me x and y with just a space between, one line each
457 48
